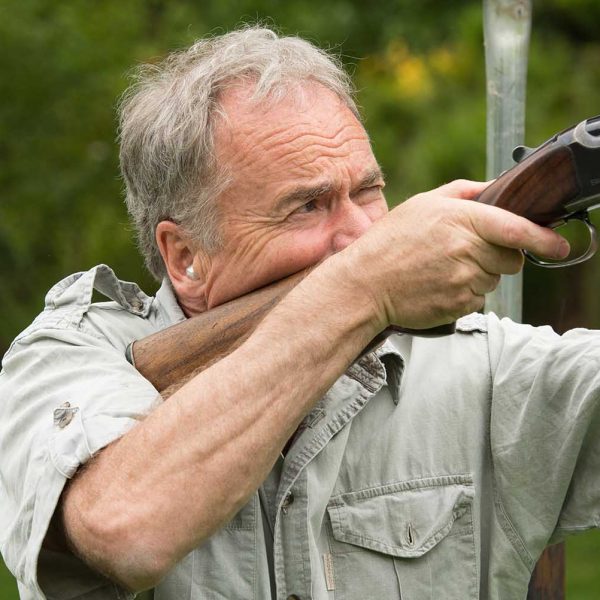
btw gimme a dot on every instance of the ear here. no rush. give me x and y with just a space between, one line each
179 253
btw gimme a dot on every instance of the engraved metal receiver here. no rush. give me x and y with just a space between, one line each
555 183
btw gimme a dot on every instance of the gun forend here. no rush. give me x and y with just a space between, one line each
555 183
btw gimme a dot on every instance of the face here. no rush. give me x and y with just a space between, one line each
305 185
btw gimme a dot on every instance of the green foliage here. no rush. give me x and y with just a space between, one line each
419 68
582 566
8 586
582 577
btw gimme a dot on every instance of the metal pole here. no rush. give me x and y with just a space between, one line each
507 26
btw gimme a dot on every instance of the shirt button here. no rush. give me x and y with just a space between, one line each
287 501
64 414
137 304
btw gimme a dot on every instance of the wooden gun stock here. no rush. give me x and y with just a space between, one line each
170 357
174 355
537 188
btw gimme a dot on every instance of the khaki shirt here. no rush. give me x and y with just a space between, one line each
433 468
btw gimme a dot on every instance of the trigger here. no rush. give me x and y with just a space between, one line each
521 152
591 250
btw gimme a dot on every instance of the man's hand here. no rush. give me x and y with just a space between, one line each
433 258
427 262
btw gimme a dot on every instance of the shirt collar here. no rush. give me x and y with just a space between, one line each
382 366
169 311
393 353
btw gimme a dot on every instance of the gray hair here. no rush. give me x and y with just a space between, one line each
167 122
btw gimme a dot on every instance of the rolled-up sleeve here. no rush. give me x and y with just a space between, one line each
64 395
545 432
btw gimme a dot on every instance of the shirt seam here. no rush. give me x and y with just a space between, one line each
73 328
502 516
392 487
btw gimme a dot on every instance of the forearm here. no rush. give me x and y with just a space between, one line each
181 474
166 486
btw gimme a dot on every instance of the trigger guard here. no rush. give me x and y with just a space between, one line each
591 249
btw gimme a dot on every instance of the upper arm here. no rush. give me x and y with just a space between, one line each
545 431
64 395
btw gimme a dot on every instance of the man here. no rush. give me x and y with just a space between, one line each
427 469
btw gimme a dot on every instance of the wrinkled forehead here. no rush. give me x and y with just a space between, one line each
286 126
242 109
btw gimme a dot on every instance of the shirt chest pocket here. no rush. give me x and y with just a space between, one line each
410 540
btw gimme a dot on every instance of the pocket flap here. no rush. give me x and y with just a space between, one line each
404 519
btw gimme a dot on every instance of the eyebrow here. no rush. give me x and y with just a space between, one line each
371 178
303 194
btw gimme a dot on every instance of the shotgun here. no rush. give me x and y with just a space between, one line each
554 183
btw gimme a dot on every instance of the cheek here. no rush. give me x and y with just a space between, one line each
376 210
246 268
307 247
279 257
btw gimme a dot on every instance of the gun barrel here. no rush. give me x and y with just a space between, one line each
592 126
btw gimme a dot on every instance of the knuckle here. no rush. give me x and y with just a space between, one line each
476 304
454 306
460 303
459 247
509 262
456 282
513 232
461 182
469 273
466 299
416 199
516 264
494 282
486 284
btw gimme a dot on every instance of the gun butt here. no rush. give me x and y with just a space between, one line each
170 357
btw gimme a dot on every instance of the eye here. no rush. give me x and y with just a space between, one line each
371 193
307 207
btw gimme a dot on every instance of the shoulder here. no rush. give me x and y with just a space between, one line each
71 312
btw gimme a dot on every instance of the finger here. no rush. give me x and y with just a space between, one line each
484 284
504 228
497 260
464 189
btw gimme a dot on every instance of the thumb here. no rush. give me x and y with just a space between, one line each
503 228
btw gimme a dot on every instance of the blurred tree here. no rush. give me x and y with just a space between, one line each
418 66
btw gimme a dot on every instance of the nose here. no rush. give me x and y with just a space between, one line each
351 222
